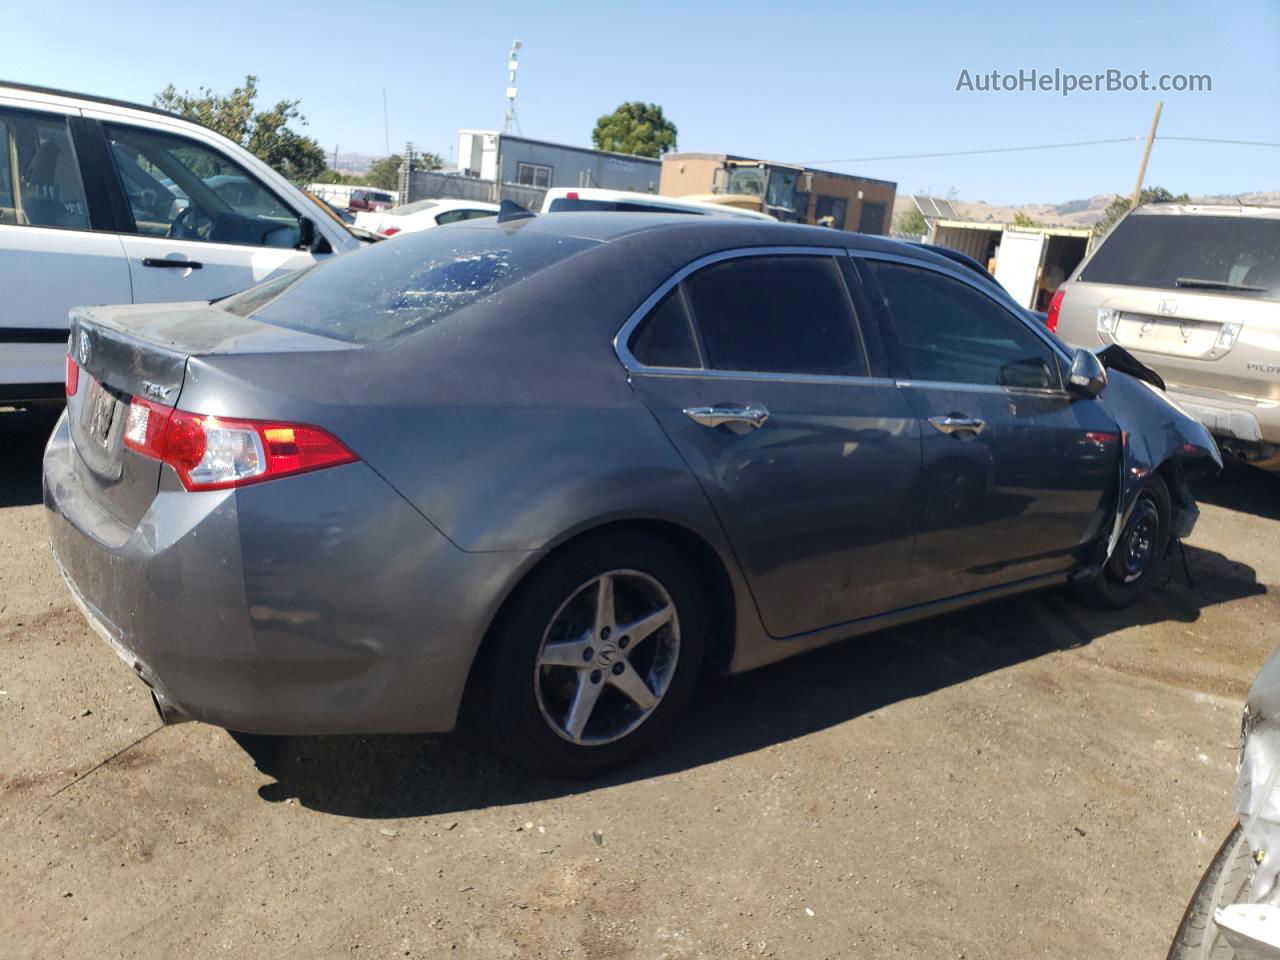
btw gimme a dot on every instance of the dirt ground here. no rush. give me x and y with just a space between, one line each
1026 779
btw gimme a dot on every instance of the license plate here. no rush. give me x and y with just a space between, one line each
102 413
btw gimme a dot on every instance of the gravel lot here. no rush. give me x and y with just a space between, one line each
1024 779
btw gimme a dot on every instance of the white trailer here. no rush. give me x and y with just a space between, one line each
1029 262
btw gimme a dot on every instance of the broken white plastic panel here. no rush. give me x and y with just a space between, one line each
1228 333
1252 929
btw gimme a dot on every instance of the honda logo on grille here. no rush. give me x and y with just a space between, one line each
1167 308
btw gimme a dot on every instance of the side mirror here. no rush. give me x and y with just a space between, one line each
1088 376
306 233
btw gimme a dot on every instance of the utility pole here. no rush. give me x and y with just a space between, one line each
335 157
1146 154
386 128
513 64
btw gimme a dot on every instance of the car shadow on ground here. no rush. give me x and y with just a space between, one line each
1243 488
23 434
408 776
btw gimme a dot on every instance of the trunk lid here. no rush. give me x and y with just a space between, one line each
129 351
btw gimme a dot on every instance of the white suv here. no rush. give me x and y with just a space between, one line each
109 202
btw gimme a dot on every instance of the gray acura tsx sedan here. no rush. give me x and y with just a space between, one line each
556 467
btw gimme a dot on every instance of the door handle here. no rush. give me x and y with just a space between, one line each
954 423
172 264
752 414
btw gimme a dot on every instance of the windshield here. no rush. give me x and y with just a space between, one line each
1235 255
392 288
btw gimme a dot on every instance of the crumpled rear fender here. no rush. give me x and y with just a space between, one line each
1154 431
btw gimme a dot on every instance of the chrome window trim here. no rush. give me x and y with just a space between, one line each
634 366
761 375
955 273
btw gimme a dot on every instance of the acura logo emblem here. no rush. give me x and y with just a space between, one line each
1167 308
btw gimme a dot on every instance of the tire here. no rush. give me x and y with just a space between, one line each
1129 573
553 680
1225 882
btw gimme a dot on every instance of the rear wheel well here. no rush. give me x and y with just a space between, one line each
713 579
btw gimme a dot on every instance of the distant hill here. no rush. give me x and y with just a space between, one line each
1072 213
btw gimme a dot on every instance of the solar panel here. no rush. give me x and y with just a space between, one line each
936 208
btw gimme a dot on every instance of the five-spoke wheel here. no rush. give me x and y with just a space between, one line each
608 657
595 654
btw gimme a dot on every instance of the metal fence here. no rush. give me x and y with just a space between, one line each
424 184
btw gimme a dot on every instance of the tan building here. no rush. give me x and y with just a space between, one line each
789 192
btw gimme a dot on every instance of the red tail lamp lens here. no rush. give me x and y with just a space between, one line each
213 453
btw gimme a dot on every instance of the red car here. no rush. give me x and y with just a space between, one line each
370 200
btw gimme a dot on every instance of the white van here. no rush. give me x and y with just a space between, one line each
103 202
563 199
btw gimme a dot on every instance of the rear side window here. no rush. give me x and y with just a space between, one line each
777 314
391 288
665 338
39 177
1236 255
948 332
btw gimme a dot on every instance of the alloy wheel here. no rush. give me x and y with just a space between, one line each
607 658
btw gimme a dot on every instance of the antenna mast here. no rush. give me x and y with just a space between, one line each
513 64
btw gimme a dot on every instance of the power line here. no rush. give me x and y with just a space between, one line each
1039 146
1239 143
969 153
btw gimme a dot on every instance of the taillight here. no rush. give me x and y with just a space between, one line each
1055 307
213 453
389 231
73 376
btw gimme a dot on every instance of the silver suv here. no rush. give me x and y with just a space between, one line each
1193 291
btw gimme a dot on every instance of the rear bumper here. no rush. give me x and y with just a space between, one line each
321 603
1243 420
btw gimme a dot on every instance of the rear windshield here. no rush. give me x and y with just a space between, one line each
1237 255
392 288
576 204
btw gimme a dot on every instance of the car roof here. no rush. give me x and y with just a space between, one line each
94 98
713 232
652 199
1207 210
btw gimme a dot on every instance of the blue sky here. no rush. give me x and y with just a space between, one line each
801 81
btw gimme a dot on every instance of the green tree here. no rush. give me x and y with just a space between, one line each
266 133
636 128
1021 219
385 173
1118 207
911 224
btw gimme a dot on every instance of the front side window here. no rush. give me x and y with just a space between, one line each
948 332
183 190
777 314
39 176
533 175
